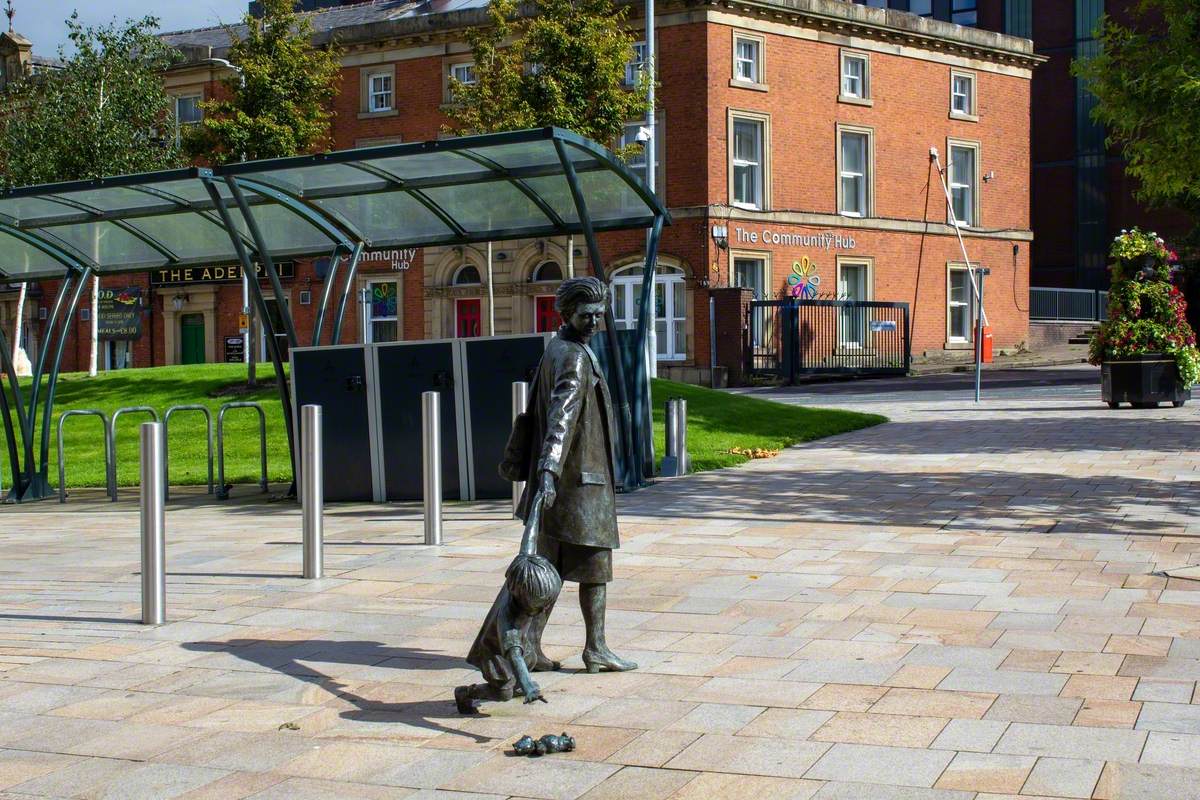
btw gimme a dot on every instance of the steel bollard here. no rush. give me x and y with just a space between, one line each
681 448
431 459
670 463
520 401
153 505
312 491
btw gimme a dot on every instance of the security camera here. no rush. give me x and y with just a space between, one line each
644 134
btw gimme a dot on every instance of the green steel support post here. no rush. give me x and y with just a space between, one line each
633 477
41 485
51 327
10 436
272 345
326 291
268 264
644 440
351 270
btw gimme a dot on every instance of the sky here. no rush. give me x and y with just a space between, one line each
41 21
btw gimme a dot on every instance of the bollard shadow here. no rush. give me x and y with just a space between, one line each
298 659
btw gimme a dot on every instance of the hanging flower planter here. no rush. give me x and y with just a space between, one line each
1146 349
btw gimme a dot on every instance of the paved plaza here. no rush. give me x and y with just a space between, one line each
966 602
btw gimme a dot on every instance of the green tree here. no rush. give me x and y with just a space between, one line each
562 63
104 113
1147 81
280 103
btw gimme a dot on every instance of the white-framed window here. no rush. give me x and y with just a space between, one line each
854 165
963 177
670 307
753 271
636 64
748 58
960 305
749 164
855 76
466 275
962 94
379 92
463 72
854 282
547 271
383 315
187 112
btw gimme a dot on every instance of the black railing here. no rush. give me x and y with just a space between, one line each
788 338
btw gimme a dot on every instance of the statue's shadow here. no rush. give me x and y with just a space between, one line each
297 659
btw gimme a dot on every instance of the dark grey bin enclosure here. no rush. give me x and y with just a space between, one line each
492 365
373 435
336 379
406 370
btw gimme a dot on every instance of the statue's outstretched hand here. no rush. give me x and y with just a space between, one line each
549 492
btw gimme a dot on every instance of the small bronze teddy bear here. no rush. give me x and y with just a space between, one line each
528 746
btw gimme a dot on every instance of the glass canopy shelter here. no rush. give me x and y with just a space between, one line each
514 185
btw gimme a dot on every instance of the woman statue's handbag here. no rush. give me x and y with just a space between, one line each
518 453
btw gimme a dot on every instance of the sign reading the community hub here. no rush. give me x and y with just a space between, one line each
822 241
119 313
228 274
399 259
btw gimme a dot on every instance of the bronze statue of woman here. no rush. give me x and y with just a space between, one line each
571 465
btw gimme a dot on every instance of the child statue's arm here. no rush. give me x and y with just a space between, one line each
511 642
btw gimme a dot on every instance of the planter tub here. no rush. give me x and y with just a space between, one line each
1143 381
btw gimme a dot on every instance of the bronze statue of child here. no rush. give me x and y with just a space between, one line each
506 649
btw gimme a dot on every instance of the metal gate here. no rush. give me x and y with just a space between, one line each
791 337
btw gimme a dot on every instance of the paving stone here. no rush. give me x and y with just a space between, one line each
896 766
836 790
722 786
892 730
1071 742
1035 708
928 702
18 766
1108 713
529 777
973 735
1142 781
638 783
1164 691
1169 717
1003 681
786 723
986 772
749 756
1174 749
1063 777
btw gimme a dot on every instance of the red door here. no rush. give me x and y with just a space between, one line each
545 317
467 314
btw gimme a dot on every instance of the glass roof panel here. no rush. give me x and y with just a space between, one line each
389 218
499 207
106 244
609 198
425 165
111 198
190 236
20 260
285 231
520 154
317 177
191 189
36 208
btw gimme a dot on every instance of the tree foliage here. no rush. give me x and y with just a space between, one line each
280 105
561 63
1147 81
104 113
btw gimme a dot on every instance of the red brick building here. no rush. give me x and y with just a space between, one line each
803 128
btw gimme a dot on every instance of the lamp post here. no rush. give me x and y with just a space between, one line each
247 312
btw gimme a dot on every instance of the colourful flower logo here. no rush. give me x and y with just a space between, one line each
804 279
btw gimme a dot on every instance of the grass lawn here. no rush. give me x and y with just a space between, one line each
717 422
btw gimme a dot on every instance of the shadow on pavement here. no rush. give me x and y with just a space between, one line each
287 658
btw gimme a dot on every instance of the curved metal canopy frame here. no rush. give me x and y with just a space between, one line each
258 184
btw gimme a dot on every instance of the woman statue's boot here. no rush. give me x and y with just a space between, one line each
593 599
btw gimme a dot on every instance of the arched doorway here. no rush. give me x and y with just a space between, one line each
468 311
670 312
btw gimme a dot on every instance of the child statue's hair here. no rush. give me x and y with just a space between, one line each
532 581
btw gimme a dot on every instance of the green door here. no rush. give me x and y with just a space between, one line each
191 328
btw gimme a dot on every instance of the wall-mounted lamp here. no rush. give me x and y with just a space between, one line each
178 301
502 256
991 176
720 234
1016 249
